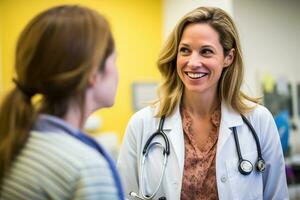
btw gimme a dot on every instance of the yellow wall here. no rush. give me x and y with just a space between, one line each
1 60
136 26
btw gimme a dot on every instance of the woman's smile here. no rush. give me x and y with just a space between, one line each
196 75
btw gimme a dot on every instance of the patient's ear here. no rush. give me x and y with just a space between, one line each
93 77
229 58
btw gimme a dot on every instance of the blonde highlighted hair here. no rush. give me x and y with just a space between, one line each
229 86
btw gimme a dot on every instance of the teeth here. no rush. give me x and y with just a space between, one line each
196 75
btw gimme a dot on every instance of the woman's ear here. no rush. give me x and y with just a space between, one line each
229 58
93 77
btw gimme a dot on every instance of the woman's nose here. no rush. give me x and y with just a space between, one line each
194 60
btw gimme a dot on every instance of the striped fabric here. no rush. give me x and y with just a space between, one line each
58 166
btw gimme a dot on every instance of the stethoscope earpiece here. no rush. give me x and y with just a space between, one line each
245 167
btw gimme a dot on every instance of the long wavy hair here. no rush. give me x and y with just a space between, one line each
229 85
55 54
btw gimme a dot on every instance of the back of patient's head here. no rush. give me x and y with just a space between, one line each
57 51
55 54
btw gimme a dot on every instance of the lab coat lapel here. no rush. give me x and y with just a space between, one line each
229 119
173 129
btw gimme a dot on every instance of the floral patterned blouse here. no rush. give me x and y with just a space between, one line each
199 175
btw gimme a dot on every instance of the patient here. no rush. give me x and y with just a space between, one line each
66 56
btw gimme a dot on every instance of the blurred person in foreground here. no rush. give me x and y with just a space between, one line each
66 55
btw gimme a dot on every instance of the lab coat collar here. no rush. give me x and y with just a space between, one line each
174 131
229 118
173 128
173 119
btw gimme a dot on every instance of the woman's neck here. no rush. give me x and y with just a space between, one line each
76 117
200 105
73 117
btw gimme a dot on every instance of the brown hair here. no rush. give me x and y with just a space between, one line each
171 90
55 55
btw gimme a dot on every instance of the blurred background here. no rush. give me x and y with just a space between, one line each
269 32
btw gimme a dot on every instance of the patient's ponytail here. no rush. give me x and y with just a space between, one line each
17 115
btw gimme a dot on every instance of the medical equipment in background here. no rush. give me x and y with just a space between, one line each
245 166
283 126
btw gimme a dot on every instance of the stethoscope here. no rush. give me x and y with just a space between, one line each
166 152
47 124
245 167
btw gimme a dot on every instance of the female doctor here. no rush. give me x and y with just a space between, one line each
209 139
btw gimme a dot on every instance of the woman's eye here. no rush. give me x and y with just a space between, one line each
206 52
184 50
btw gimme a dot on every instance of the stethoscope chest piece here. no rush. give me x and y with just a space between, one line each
260 165
245 167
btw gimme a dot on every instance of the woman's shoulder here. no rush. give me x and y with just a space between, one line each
261 117
62 148
145 114
259 111
142 120
60 162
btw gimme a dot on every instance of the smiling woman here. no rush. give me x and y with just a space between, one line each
219 142
201 60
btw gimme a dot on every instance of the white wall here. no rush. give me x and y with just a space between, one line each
269 31
173 10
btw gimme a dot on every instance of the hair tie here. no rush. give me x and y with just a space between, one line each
27 92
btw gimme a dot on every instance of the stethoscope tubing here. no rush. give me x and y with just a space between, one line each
158 132
166 151
259 155
163 169
146 150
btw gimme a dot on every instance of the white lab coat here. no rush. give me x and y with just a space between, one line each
230 183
